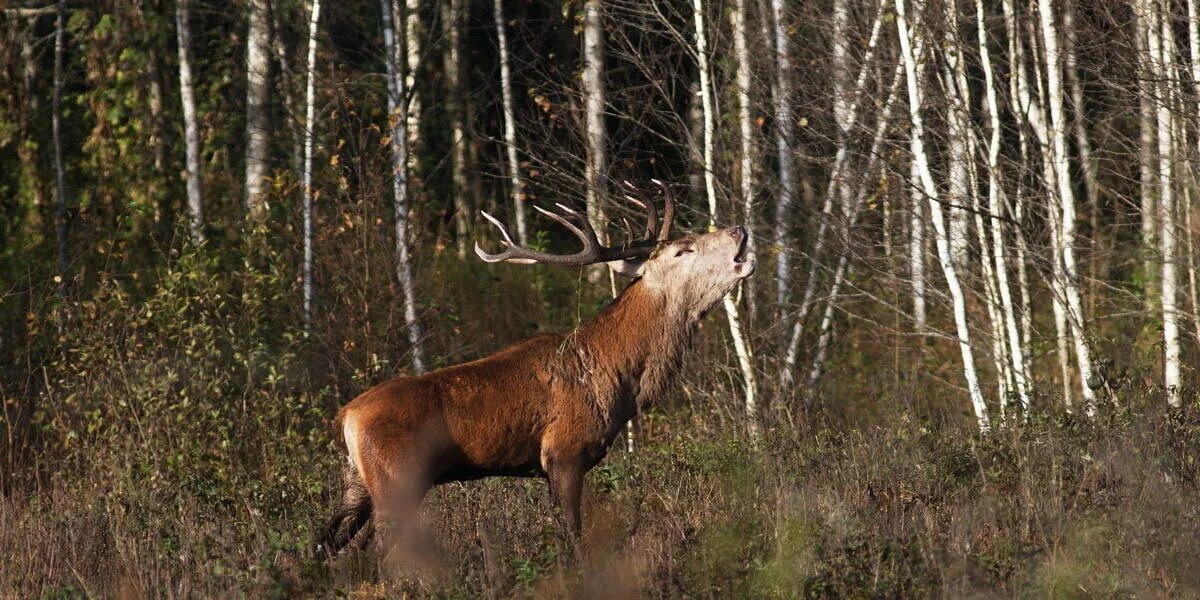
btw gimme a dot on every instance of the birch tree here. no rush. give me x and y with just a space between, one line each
740 343
593 112
929 188
452 18
1034 113
60 176
996 207
510 129
258 97
310 123
394 57
1066 199
191 132
784 144
1161 43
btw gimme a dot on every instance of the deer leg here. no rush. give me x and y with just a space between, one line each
566 489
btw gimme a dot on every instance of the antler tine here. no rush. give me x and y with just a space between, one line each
645 204
668 211
500 226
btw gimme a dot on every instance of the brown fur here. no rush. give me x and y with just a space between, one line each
549 406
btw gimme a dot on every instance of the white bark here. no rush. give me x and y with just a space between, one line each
510 128
784 144
60 176
840 272
310 124
1083 142
848 111
961 151
959 160
1161 42
1036 118
1016 352
394 54
1066 198
413 31
1189 241
452 17
941 235
740 343
191 132
1147 164
258 96
593 97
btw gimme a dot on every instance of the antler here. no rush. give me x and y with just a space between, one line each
578 224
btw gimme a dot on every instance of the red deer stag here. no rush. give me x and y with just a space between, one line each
549 406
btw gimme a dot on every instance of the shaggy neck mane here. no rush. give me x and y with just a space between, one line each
633 347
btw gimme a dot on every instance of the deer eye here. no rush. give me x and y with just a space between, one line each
683 251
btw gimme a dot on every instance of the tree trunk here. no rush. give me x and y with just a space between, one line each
394 56
258 97
191 131
848 111
1036 118
1066 196
852 213
941 234
1016 353
1083 145
593 99
310 124
1147 164
784 144
452 17
510 128
740 343
1161 42
60 176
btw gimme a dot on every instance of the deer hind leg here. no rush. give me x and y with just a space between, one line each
353 512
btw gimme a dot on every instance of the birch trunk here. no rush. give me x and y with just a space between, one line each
60 175
452 18
1066 196
394 55
310 123
941 234
413 36
1016 353
510 128
959 160
1036 118
593 95
840 272
1194 47
784 143
1161 42
740 343
258 96
961 151
191 132
848 111
1147 164
1083 143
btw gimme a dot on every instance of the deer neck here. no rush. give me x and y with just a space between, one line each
631 351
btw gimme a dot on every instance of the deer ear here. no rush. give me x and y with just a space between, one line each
628 268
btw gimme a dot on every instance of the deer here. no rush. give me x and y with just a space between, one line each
550 406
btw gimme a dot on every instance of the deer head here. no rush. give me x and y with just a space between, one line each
696 269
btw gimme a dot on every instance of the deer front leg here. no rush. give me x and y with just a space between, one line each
566 488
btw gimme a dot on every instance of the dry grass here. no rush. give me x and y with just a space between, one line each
181 448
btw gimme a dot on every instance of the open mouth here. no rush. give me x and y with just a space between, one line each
742 253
